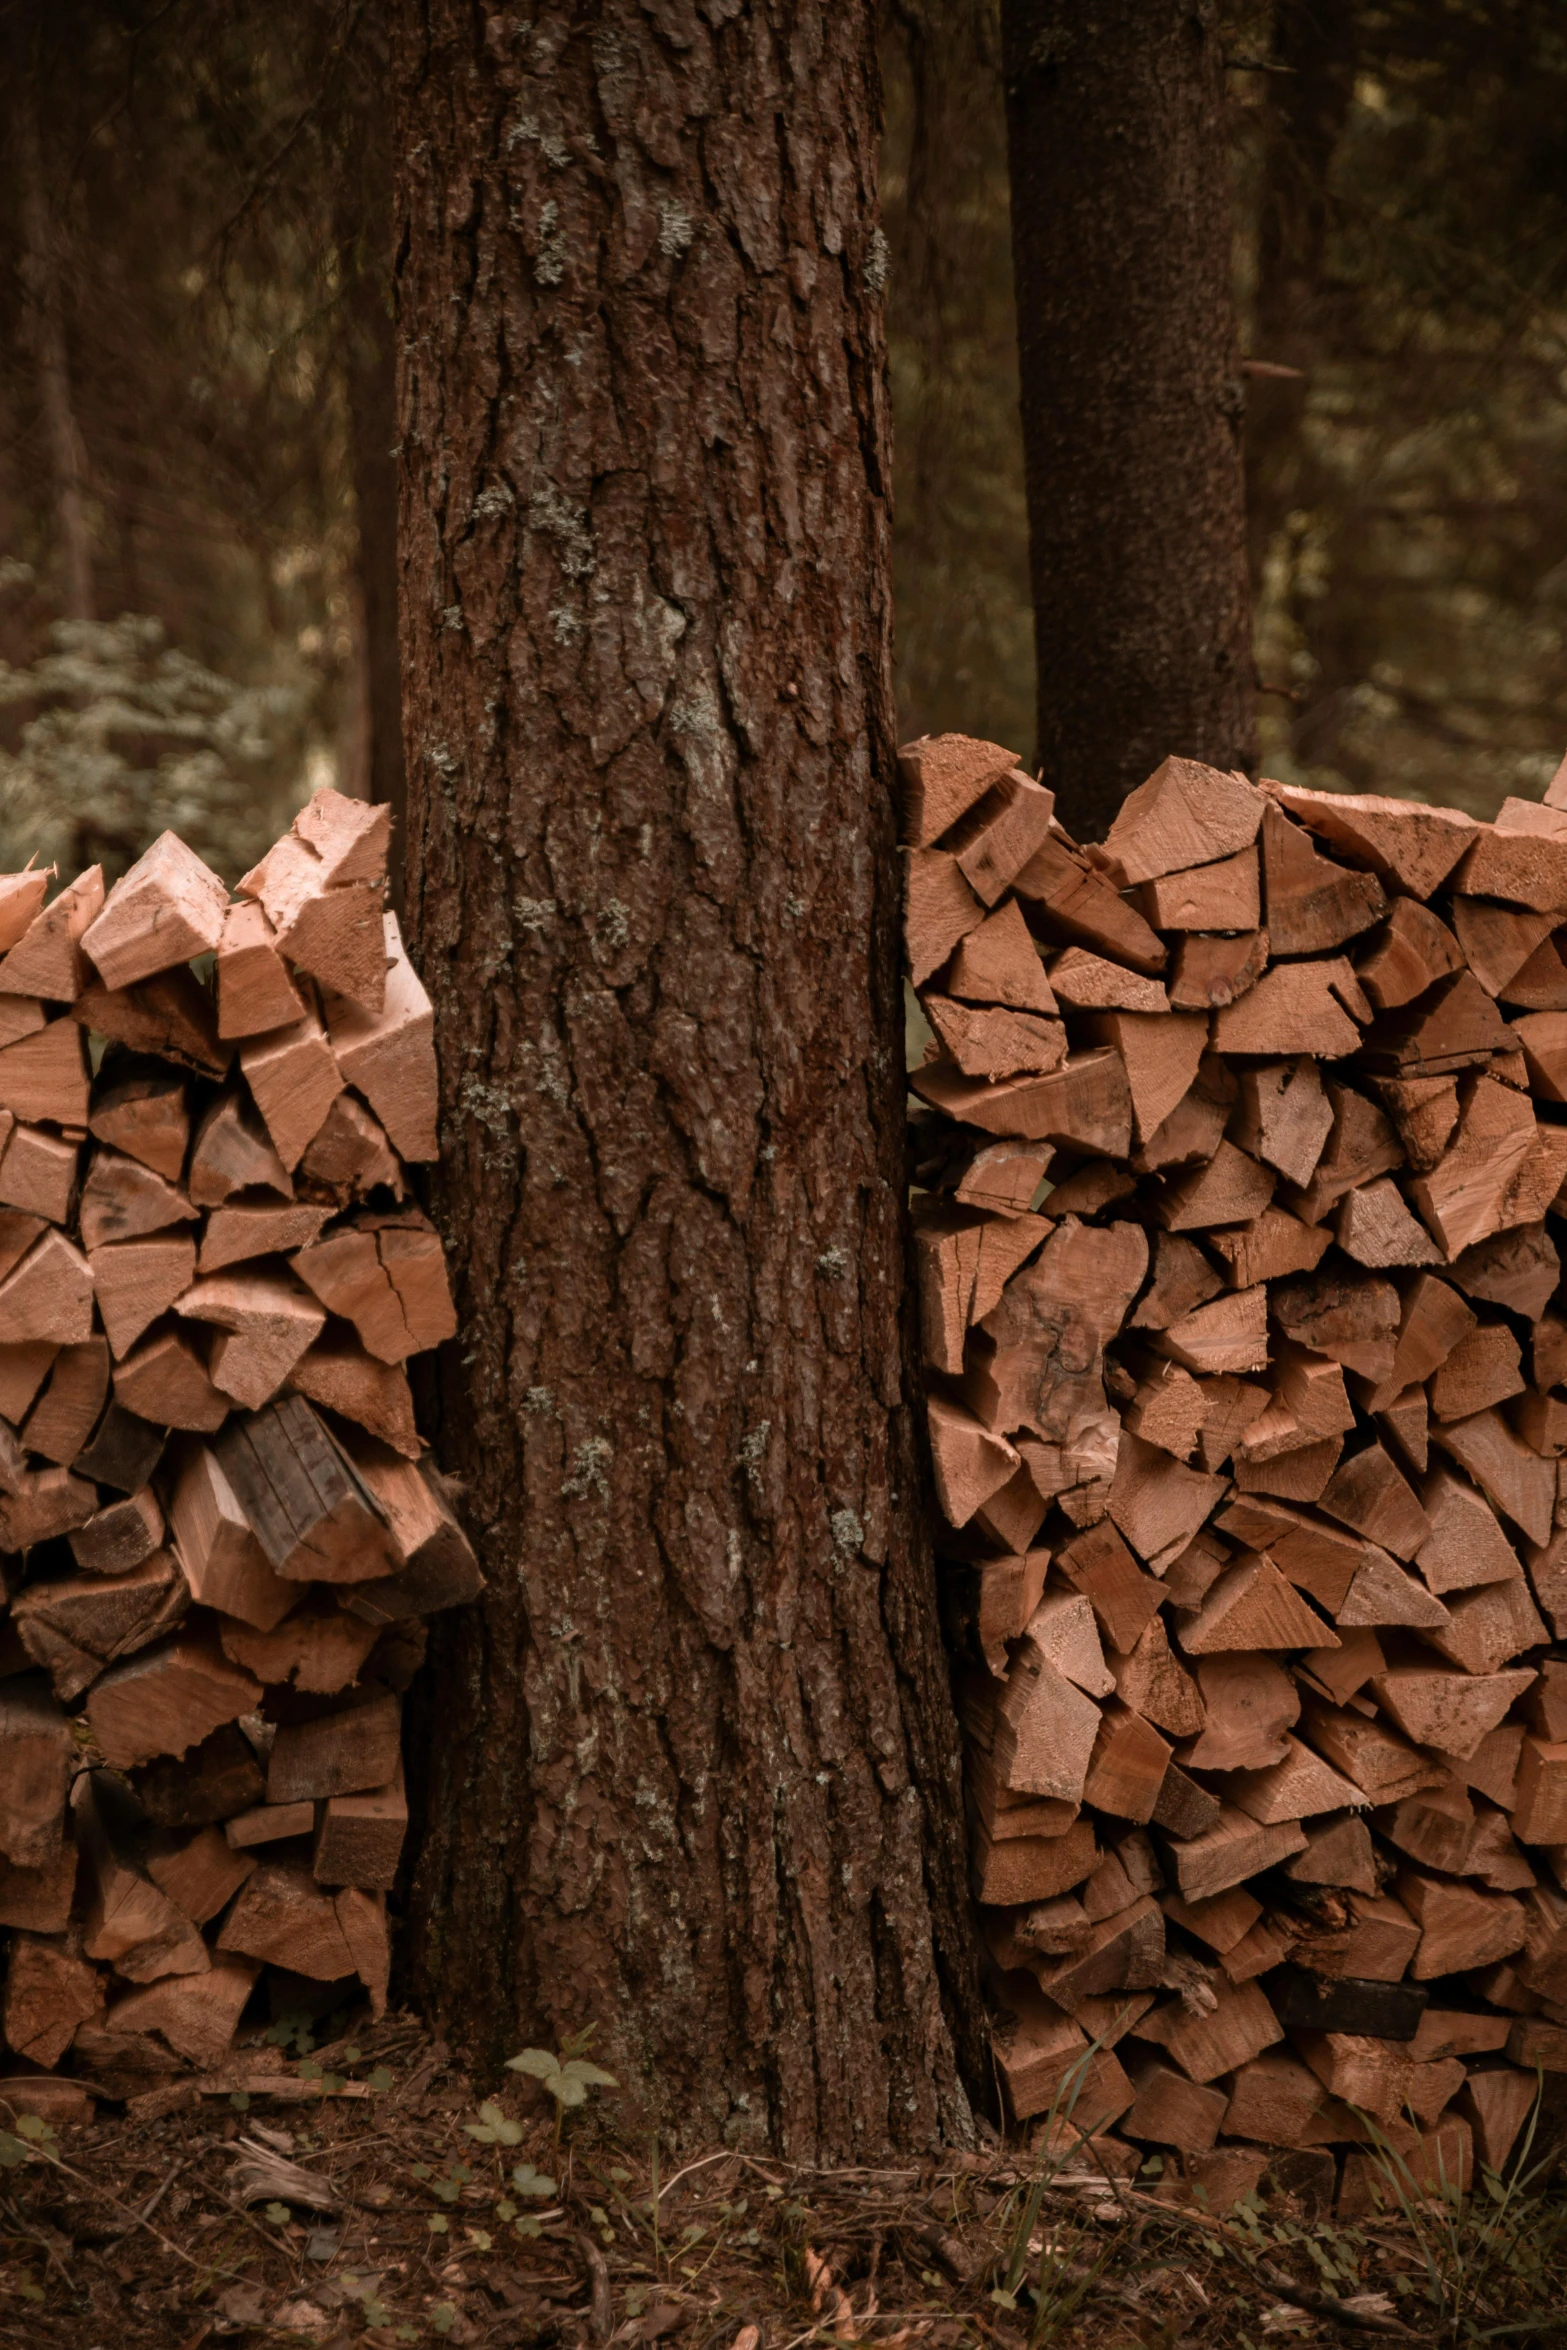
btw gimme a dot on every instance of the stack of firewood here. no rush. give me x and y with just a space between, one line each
218 1535
1247 1373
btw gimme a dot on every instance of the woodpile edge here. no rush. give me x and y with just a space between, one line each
1240 1144
219 1532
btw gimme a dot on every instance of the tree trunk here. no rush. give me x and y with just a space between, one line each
1300 321
43 274
691 1771
364 208
963 657
1131 395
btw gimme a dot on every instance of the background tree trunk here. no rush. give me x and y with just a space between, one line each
1300 321
44 274
691 1771
363 206
1131 396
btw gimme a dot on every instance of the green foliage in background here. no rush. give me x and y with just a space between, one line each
123 737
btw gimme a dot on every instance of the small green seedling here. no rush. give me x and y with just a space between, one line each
568 2077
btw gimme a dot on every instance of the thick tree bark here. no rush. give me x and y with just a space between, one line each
1131 393
692 1767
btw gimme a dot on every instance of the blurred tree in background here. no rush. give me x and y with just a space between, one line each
1401 207
195 403
195 400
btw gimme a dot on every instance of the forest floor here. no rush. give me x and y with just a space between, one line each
364 2196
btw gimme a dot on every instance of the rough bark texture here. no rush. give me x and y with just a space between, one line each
692 1768
1131 396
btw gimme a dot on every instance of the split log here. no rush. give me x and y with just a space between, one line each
1382 1765
210 1782
1098 1564
49 1993
1185 814
1372 2074
1450 1711
387 1275
1086 1103
1368 1493
1294 1788
1459 1927
942 776
197 2015
225 1565
939 909
44 1078
71 1403
1157 1502
1497 940
1251 1606
1409 954
21 898
1455 1025
40 1900
200 1872
990 1042
166 909
1234 1848
1294 1008
137 1280
1080 906
1229 1335
1518 1481
310 1510
294 1079
141 1109
269 1823
319 1648
1088 983
234 1153
1309 903
35 1758
283 1917
1223 896
321 887
165 1381
38 1172
167 1700
995 839
47 959
1338 1853
76 1626
123 1199
349 1155
255 992
1523 868
1250 1704
170 1018
1127 1766
995 963
1518 1269
44 1504
130 1920
265 1323
1212 972
1412 849
1238 2028
1181 1280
